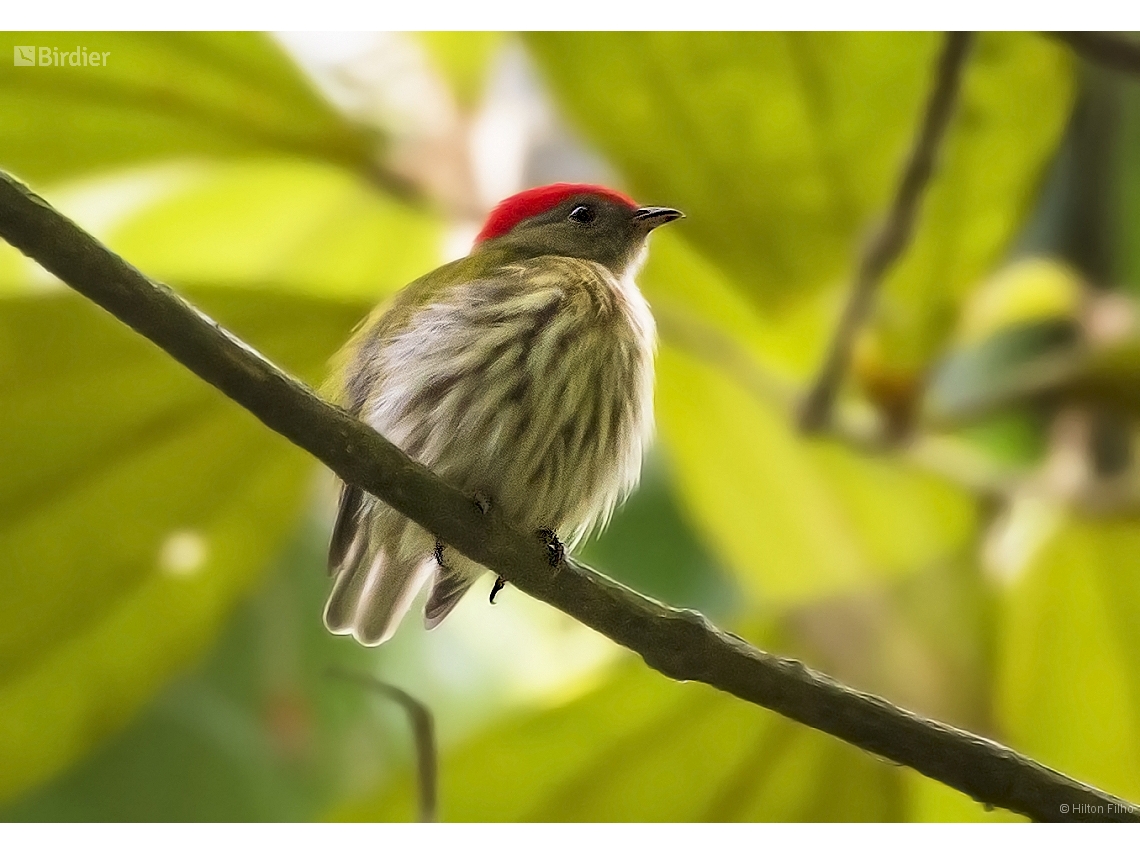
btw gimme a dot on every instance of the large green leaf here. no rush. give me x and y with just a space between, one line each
464 59
160 96
1016 98
644 749
781 147
136 505
1068 686
777 146
257 733
296 225
796 518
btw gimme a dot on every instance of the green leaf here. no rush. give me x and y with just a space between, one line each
162 96
796 518
257 733
1015 102
136 506
783 147
463 58
799 519
294 225
1068 686
641 748
775 145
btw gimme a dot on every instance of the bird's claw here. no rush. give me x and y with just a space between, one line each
439 552
554 550
500 583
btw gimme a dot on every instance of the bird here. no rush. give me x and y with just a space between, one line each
521 374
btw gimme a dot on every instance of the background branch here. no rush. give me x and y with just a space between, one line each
680 644
891 238
1111 50
948 457
423 736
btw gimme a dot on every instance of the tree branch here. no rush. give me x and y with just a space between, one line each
423 736
891 238
679 644
1108 49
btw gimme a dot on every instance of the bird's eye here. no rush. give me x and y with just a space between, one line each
583 214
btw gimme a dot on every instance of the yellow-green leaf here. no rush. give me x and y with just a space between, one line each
783 147
463 57
295 225
796 518
1015 102
644 749
161 96
136 506
1068 684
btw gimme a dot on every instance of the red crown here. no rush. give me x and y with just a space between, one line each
529 203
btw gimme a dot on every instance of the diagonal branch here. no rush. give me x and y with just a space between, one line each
891 238
680 644
1111 50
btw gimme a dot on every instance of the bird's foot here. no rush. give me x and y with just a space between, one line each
554 551
439 552
500 583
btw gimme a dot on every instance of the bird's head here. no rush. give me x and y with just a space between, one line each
578 220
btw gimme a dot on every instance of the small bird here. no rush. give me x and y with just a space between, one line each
521 374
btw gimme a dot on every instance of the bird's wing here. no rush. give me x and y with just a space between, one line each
446 592
405 371
344 529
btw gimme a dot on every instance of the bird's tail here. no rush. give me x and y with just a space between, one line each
383 565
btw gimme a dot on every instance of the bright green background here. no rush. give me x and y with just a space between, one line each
132 691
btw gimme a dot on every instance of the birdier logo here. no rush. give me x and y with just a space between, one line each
81 56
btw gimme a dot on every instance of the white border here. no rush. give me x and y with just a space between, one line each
576 14
527 839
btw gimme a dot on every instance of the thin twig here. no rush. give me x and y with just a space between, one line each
680 644
1111 50
892 236
423 734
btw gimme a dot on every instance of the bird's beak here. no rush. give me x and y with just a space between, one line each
651 218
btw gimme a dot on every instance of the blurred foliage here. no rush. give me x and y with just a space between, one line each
463 58
161 655
284 225
781 147
1038 330
138 505
800 520
126 543
682 752
257 732
1070 655
165 95
677 753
